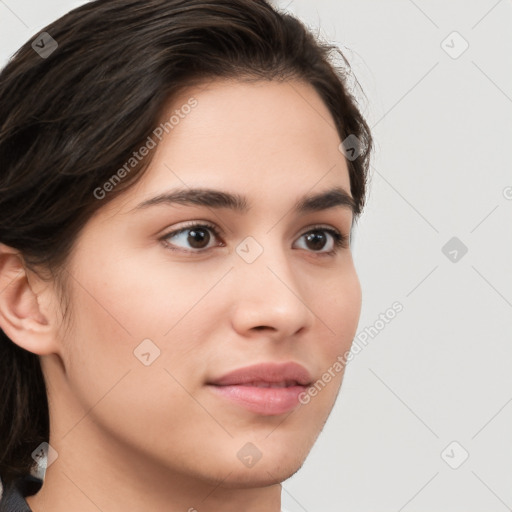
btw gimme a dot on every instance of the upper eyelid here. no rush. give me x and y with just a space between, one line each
205 224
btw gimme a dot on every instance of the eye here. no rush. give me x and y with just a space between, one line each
197 236
318 237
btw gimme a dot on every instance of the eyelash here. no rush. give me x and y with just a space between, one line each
340 239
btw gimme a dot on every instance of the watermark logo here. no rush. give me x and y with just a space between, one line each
455 455
351 147
249 249
454 249
249 455
44 45
44 455
146 352
454 45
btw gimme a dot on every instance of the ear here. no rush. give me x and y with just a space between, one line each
24 314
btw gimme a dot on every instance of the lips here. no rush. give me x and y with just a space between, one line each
266 389
282 384
271 373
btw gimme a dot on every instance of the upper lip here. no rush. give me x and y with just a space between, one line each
289 372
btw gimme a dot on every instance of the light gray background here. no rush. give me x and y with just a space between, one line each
441 370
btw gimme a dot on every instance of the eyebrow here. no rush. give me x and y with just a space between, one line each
211 198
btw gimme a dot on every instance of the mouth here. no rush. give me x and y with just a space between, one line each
265 389
263 384
262 398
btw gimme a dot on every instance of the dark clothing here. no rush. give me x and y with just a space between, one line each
13 496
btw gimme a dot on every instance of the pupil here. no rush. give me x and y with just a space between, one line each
200 236
316 237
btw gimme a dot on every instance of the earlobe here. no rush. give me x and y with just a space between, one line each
21 317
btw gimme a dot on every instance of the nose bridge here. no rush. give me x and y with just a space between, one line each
268 293
265 262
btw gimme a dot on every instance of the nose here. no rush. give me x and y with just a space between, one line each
270 295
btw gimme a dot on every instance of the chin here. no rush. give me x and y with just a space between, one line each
266 475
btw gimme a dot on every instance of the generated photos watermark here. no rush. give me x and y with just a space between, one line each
360 341
150 143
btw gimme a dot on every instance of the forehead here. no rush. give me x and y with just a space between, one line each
263 139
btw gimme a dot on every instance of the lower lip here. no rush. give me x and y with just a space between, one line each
264 401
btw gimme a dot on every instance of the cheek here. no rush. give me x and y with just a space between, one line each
340 308
136 402
151 296
337 307
128 314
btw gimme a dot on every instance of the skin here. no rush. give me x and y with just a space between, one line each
131 437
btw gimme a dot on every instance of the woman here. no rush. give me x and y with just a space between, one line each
178 184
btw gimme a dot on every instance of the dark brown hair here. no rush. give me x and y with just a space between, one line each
70 119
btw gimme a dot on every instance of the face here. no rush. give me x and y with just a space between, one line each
170 297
